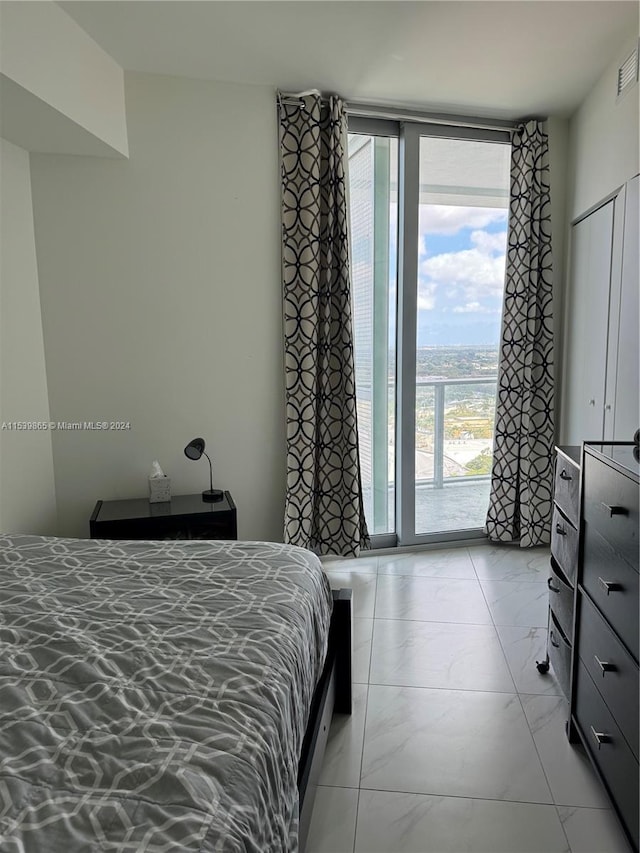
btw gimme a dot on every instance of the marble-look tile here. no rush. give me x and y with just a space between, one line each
343 756
449 563
593 830
431 600
506 562
333 823
439 654
568 770
522 648
367 564
362 638
364 590
451 742
411 823
517 603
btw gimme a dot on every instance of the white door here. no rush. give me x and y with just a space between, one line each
587 320
625 404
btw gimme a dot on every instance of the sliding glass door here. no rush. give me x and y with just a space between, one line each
462 237
429 227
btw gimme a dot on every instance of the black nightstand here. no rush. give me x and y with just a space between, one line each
184 517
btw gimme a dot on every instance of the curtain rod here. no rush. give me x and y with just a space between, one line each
292 99
398 114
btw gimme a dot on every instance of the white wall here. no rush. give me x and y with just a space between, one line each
602 155
603 140
56 78
161 302
27 495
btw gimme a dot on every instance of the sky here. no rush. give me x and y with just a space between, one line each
460 274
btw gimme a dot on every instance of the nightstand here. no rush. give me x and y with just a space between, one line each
184 517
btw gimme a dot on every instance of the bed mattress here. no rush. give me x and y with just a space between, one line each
154 695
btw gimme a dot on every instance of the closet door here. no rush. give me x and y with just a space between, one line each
624 402
587 320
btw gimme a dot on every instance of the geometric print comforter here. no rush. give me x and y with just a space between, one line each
154 695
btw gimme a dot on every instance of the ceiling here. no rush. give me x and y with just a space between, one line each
503 58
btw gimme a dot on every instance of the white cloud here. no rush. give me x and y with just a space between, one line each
475 308
475 271
468 308
426 295
449 219
489 243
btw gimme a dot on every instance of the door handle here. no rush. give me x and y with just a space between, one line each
604 665
600 737
610 586
551 586
560 529
564 475
612 510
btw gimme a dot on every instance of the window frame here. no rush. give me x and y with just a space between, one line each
409 134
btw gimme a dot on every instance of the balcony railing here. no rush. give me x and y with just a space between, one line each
433 398
439 387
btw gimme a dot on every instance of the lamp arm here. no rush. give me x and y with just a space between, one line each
210 470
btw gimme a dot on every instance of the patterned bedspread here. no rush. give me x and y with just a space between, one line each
154 696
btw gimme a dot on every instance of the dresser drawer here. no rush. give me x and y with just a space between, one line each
613 585
559 650
564 545
561 600
610 751
566 490
612 669
611 507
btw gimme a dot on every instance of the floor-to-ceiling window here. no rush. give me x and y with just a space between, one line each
429 229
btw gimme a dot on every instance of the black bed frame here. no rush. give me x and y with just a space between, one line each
332 694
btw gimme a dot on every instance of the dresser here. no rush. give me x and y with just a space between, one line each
604 670
564 565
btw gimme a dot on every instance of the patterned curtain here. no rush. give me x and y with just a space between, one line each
522 472
324 509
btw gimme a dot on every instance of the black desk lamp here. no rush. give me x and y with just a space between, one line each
194 450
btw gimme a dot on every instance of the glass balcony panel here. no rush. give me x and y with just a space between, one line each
374 216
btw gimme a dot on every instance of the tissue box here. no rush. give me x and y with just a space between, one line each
159 490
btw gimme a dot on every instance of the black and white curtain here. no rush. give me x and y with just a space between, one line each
324 509
522 472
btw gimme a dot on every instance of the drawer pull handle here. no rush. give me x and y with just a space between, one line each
564 475
600 737
560 529
610 586
614 510
553 643
551 587
604 665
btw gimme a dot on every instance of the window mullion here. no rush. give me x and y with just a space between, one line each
408 200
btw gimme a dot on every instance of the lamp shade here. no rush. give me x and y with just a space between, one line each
194 449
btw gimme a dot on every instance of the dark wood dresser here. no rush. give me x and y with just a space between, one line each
564 565
604 669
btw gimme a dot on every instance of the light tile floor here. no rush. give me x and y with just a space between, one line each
456 743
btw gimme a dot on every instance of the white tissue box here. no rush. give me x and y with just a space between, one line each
159 490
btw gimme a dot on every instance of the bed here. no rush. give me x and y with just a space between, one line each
164 695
